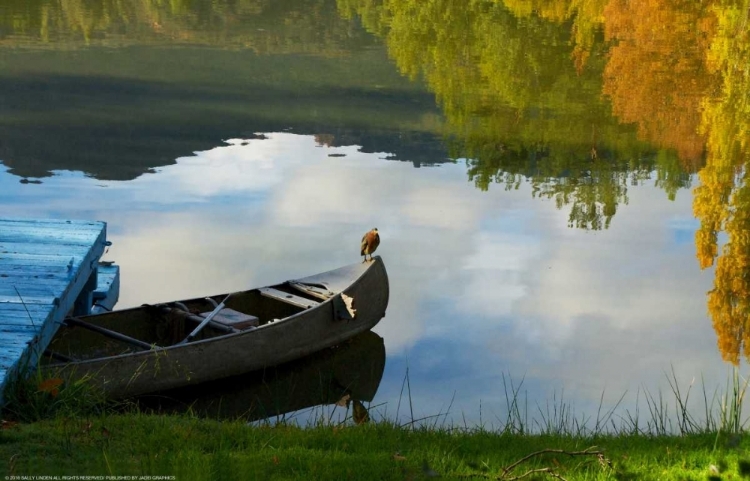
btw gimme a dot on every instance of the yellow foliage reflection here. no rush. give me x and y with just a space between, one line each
722 201
504 72
519 102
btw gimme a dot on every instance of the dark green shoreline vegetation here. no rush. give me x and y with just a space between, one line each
50 428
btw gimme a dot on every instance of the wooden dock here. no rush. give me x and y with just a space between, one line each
48 269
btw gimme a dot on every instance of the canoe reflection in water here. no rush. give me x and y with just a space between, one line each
346 375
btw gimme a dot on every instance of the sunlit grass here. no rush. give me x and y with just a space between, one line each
192 448
63 436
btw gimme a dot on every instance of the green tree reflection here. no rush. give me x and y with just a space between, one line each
192 73
264 26
520 102
510 76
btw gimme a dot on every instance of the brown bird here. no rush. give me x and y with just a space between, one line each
370 242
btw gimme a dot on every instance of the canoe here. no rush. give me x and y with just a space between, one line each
164 346
347 375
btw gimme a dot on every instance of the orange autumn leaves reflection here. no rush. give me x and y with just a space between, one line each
656 75
678 71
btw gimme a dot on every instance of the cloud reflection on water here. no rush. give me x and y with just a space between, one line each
482 283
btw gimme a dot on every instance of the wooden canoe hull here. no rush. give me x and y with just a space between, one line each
350 371
290 338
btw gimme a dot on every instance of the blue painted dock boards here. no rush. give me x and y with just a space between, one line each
44 267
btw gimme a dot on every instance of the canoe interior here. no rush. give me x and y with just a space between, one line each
164 327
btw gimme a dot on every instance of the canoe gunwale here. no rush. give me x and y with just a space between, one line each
235 340
166 349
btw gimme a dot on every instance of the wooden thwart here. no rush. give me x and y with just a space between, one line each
109 333
288 298
317 291
197 319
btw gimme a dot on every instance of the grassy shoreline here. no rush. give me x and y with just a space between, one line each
51 429
186 448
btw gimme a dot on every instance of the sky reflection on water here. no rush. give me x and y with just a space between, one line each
483 284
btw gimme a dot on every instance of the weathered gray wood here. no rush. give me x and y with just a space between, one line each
288 298
197 319
315 291
238 320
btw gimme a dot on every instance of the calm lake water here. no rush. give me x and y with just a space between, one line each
551 184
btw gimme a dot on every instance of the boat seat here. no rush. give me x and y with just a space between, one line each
234 319
288 298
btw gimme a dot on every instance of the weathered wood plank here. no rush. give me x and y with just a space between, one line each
66 222
33 299
44 224
36 258
64 227
22 318
17 305
49 263
43 234
18 338
33 271
24 285
288 298
10 310
17 328
8 248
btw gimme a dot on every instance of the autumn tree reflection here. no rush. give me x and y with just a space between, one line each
655 74
520 104
521 83
722 201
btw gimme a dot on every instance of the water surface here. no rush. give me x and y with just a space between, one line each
552 186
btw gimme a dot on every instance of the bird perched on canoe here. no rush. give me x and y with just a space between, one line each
370 242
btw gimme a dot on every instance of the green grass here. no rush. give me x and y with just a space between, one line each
191 448
38 397
72 432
